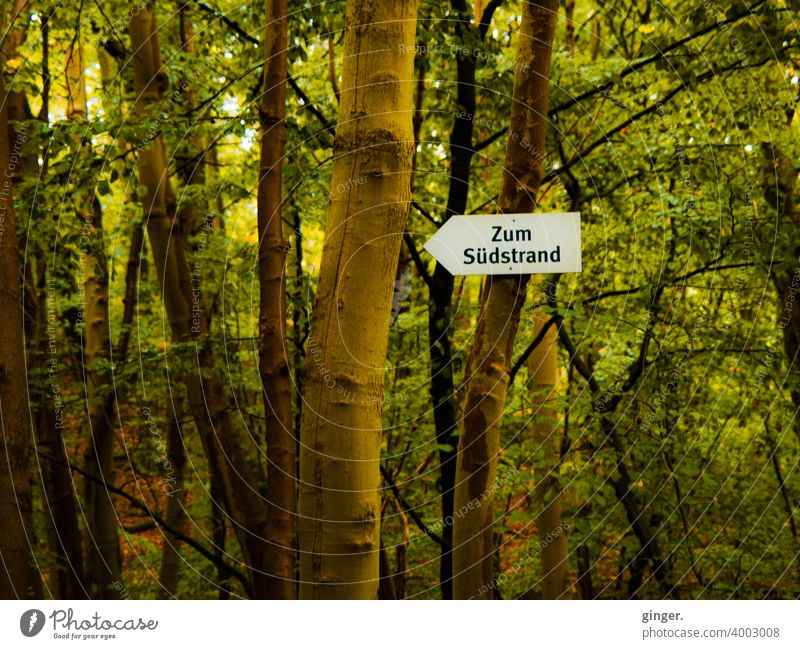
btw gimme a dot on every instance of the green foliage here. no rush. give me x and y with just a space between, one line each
664 156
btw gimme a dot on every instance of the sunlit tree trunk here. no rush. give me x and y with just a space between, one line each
543 375
503 296
103 546
339 506
230 454
273 344
595 35
58 495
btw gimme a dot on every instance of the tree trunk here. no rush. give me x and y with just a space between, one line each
104 570
230 454
343 389
490 356
171 560
442 385
543 377
569 24
273 359
191 171
594 38
15 502
780 184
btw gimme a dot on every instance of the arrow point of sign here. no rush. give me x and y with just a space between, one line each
441 252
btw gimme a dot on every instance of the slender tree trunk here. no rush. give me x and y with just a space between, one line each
231 457
15 501
341 431
273 358
490 356
105 572
171 560
780 184
56 484
584 582
219 531
442 385
58 502
594 38
190 164
569 24
543 377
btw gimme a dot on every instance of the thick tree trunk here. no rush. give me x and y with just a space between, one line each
273 358
343 390
232 459
543 377
490 357
15 425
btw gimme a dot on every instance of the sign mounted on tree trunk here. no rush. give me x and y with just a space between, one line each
509 244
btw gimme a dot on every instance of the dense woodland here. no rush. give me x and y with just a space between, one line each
229 369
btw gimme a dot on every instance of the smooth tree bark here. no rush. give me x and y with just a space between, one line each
339 506
231 455
15 498
103 552
543 376
503 297
273 353
55 481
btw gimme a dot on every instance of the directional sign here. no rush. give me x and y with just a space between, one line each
509 244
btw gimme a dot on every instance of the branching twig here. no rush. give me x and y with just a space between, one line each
410 510
138 504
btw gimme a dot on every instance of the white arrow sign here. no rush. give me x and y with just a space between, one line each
509 244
